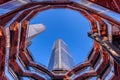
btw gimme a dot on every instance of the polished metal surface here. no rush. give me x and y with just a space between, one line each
15 57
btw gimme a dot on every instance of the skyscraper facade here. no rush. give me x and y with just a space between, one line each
61 59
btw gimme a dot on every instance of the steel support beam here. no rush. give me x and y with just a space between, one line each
112 50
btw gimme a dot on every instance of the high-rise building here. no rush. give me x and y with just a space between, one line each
61 59
34 30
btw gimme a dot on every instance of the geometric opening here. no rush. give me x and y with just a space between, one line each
67 24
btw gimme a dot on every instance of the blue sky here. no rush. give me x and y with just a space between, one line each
66 24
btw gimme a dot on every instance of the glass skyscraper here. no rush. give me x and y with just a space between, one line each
61 59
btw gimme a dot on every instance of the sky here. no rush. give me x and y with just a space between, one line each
68 25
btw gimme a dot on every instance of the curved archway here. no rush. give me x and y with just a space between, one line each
20 19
